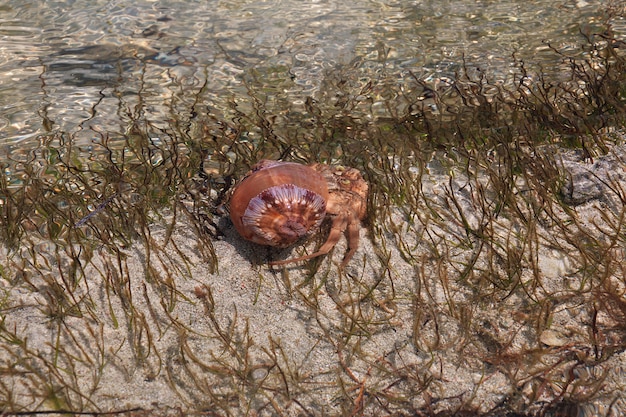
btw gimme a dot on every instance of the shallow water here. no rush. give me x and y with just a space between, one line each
79 66
128 87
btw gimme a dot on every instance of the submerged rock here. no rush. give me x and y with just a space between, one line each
600 180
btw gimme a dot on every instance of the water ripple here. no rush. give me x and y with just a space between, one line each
62 61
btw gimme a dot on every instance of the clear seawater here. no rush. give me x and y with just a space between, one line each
84 67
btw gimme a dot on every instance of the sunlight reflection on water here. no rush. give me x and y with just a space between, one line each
78 66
